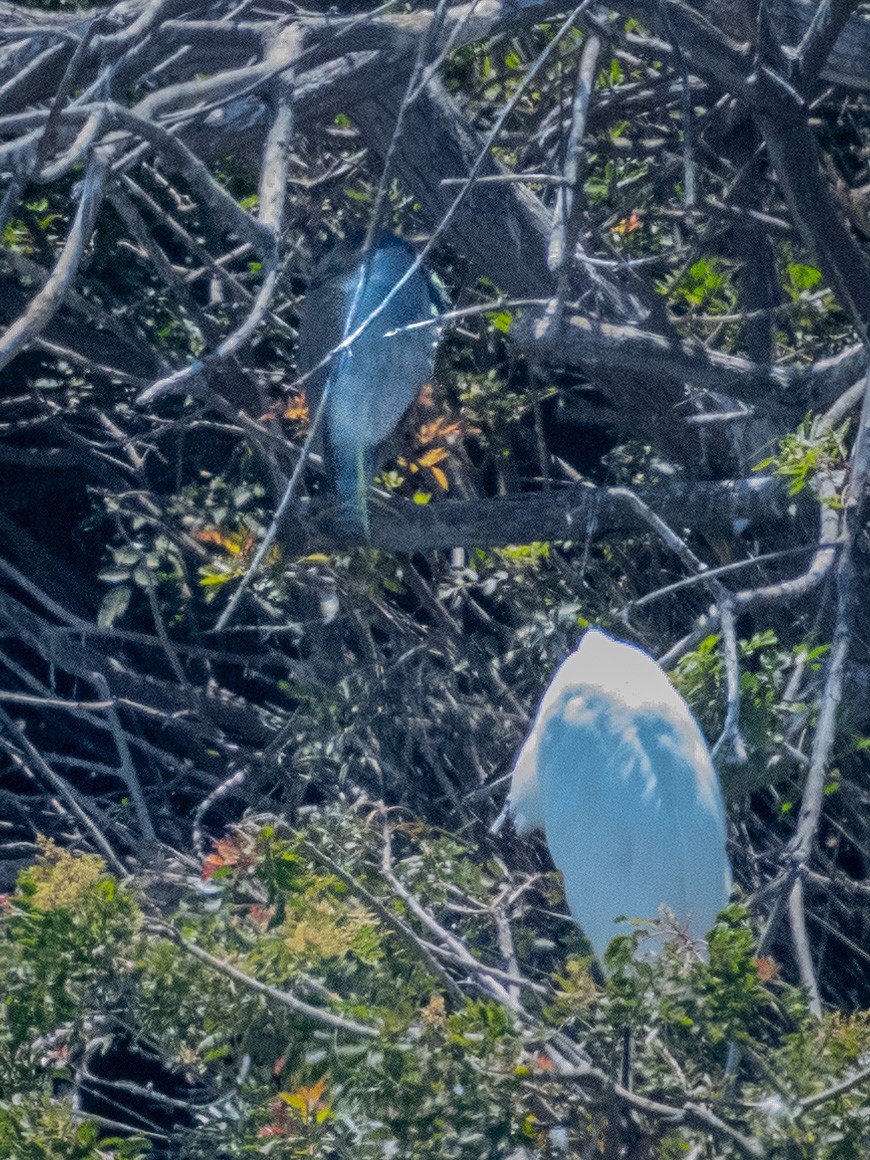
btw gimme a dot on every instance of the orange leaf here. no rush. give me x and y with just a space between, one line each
440 478
261 914
312 1095
429 432
628 225
435 1011
211 863
435 455
305 1100
227 852
767 968
229 848
212 536
237 544
297 409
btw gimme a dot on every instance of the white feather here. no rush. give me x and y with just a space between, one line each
617 773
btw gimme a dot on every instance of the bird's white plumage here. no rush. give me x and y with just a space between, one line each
617 773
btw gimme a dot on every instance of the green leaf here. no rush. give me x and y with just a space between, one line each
803 277
501 320
113 606
114 575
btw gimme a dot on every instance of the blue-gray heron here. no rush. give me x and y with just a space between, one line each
617 773
370 385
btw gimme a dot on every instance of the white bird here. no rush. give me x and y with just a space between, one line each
618 775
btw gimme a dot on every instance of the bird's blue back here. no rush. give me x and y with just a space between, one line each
371 385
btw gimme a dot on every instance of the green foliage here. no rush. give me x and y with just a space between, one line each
814 319
807 452
309 913
413 691
684 1014
695 1008
607 176
222 512
24 237
502 320
708 286
802 278
36 1127
525 554
63 942
67 917
488 403
764 669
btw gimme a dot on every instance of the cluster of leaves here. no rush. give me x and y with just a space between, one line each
63 941
765 666
808 452
80 960
307 913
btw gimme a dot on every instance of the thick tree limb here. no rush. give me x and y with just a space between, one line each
569 513
660 359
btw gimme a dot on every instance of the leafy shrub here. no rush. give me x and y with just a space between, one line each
438 1045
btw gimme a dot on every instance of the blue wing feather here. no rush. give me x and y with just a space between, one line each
372 384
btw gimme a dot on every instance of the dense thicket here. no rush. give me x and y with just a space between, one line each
649 412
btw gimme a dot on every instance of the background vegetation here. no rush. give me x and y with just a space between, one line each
252 902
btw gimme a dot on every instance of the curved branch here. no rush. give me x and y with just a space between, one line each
49 299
